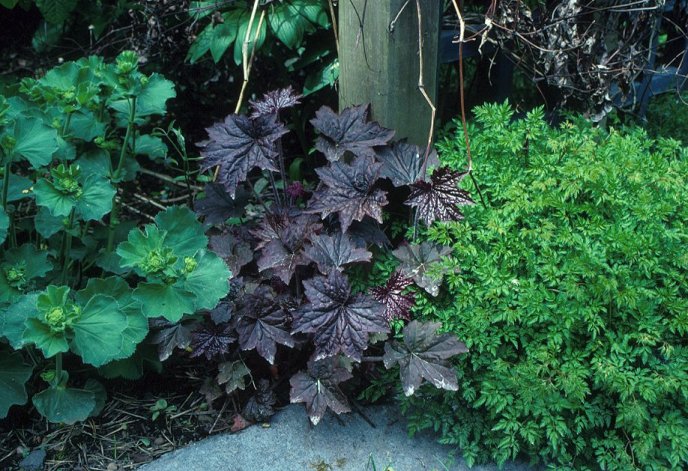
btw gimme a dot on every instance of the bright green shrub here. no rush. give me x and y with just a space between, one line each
572 296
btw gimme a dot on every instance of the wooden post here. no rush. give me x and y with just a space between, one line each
380 67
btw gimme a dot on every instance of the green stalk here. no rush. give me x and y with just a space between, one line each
114 214
5 186
67 247
58 369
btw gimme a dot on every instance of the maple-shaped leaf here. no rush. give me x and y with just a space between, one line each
397 304
403 163
278 219
424 354
240 144
233 375
211 341
217 206
348 131
222 312
335 251
339 320
275 101
440 198
259 407
419 262
262 323
234 250
318 388
285 249
349 191
368 232
170 338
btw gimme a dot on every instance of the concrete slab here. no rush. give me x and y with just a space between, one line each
292 444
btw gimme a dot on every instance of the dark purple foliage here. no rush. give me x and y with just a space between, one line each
217 206
240 144
274 101
440 198
259 407
424 354
349 131
397 304
211 341
419 261
262 324
349 191
318 388
339 320
235 250
335 251
403 163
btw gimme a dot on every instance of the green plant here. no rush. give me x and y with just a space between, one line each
569 287
70 285
161 408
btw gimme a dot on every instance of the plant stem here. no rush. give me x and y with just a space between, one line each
5 186
67 247
58 369
114 213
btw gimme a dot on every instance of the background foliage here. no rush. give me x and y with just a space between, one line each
569 288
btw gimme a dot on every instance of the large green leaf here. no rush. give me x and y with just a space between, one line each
151 100
4 225
135 251
19 187
289 24
84 125
185 234
56 11
48 341
47 196
46 224
162 300
13 320
65 405
14 373
209 281
223 36
137 323
35 141
152 146
98 331
96 199
201 44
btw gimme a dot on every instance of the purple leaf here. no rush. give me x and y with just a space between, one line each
169 338
222 312
235 251
439 198
259 407
318 388
367 232
348 131
240 144
335 252
275 101
261 324
339 320
217 206
417 261
284 250
397 304
211 341
349 191
403 163
423 355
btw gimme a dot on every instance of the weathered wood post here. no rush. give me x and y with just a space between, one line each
379 61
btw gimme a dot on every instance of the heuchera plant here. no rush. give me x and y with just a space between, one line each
292 242
72 290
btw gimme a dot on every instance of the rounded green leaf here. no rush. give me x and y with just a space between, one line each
49 197
35 141
96 199
162 300
19 187
98 331
14 373
46 224
48 341
65 405
185 235
209 281
21 266
13 320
